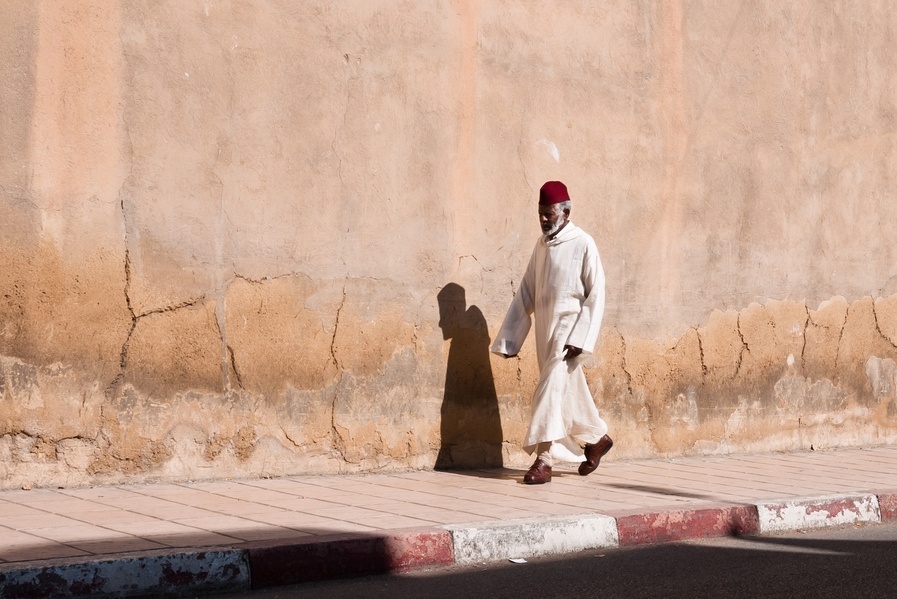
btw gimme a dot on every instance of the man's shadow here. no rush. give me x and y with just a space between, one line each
471 425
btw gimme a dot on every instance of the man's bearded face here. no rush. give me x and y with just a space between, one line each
551 218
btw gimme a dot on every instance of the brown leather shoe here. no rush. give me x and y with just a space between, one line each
538 474
594 453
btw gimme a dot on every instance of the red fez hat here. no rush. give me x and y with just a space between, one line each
553 192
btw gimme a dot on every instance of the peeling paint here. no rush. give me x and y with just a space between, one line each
803 514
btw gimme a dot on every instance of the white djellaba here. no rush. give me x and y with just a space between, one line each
563 291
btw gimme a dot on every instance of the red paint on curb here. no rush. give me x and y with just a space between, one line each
341 556
677 525
834 507
887 505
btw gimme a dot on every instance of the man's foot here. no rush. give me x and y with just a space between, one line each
539 473
594 453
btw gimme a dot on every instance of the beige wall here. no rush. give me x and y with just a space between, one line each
264 237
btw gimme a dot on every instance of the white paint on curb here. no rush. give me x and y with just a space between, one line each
529 538
799 514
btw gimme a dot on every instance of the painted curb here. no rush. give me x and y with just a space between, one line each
887 506
130 576
530 538
344 556
797 514
689 523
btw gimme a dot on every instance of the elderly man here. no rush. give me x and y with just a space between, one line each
563 288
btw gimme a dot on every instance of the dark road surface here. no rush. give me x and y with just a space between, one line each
850 562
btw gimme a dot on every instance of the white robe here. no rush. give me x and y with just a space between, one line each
564 289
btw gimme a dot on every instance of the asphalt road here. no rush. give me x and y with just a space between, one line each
851 562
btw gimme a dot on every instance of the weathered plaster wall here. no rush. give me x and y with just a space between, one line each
263 237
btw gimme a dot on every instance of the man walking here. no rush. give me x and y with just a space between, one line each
563 290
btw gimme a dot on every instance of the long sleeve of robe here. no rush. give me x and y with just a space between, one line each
562 297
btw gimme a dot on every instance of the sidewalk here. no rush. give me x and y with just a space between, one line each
152 539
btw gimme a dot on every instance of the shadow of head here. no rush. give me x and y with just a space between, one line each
452 307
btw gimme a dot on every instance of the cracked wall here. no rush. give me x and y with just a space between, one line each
777 376
265 237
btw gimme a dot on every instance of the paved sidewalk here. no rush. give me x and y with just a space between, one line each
153 539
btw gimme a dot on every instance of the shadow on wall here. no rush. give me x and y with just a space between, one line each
471 425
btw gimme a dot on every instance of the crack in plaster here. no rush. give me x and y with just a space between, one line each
744 346
878 326
335 434
123 353
475 259
172 307
807 323
336 130
221 285
135 317
289 438
126 231
339 309
263 279
415 338
704 368
78 438
227 356
841 336
624 366
482 269
227 359
233 365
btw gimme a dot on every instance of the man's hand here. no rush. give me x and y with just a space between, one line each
571 352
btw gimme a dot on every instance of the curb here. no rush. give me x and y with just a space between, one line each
343 556
817 513
887 505
690 523
529 538
262 565
155 574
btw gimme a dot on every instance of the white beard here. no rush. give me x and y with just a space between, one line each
555 228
